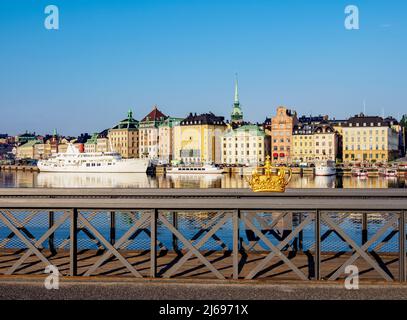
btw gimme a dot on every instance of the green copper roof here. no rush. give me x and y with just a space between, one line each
30 143
128 123
253 129
93 139
171 122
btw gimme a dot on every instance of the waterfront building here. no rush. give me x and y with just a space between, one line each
245 145
102 141
313 120
63 144
148 134
5 151
90 145
303 143
26 150
166 139
325 142
198 139
25 137
124 137
314 138
80 141
338 126
40 151
3 138
237 113
369 138
267 126
398 128
281 134
403 124
53 143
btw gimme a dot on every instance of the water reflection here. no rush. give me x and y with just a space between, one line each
11 179
95 180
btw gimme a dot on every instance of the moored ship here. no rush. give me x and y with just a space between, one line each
74 161
325 168
388 172
360 172
205 169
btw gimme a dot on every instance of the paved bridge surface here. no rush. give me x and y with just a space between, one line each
25 288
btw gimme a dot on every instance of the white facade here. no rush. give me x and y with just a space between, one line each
243 146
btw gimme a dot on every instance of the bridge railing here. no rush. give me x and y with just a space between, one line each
221 234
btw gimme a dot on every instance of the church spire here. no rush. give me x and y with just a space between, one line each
237 114
236 91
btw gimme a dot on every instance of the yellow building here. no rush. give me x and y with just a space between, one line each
314 142
166 139
124 137
370 139
90 145
303 143
198 139
26 150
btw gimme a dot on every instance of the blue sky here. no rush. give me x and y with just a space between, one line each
109 56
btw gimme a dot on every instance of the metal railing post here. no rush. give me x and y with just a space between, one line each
51 242
112 227
317 245
236 222
402 247
364 228
73 248
153 248
300 235
174 237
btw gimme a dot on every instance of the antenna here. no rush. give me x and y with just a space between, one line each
364 107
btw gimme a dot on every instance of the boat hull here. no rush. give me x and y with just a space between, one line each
325 171
195 173
125 166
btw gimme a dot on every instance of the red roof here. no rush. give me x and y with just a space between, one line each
154 115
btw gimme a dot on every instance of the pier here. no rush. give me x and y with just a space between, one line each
19 168
224 234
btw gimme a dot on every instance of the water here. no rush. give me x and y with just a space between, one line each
188 224
20 179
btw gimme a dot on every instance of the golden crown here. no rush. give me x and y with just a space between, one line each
273 180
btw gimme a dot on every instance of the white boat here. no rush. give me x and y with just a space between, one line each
388 172
205 169
325 168
359 172
101 162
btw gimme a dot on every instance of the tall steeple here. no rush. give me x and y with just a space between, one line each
237 114
236 91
